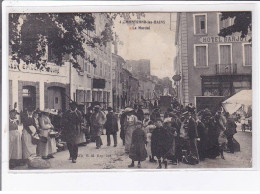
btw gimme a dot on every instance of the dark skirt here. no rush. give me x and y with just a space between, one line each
138 152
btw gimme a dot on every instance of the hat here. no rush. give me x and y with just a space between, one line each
128 109
47 110
185 113
109 109
167 120
53 111
97 107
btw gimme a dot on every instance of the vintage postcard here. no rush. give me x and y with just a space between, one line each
130 90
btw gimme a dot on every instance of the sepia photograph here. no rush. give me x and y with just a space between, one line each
130 90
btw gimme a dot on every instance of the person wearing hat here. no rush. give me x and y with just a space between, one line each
71 124
111 126
98 119
129 127
192 134
161 142
46 150
172 132
155 114
15 144
137 149
122 125
29 130
140 113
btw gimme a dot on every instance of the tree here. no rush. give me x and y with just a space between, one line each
242 23
31 34
64 33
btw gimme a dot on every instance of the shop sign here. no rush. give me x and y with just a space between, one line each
227 39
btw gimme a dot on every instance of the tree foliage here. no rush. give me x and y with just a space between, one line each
31 34
242 23
64 33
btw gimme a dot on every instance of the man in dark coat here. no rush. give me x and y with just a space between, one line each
155 115
230 132
111 126
140 113
203 138
161 142
191 126
71 123
122 124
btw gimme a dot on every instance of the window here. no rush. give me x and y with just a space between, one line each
225 54
200 23
224 23
201 55
247 54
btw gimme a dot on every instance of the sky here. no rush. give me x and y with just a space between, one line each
156 44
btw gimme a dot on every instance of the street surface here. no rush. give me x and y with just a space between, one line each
115 158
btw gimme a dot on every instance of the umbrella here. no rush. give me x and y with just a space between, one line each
242 98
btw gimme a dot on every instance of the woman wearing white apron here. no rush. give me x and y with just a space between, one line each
15 144
130 126
29 149
46 150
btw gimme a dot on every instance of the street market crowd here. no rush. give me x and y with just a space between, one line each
181 134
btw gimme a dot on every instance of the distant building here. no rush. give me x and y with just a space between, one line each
139 67
210 65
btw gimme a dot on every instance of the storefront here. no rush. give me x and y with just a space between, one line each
225 85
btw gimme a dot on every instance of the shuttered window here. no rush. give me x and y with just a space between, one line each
225 55
247 54
200 23
201 56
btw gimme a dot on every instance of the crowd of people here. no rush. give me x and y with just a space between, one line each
178 135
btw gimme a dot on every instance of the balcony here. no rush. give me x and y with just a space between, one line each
226 69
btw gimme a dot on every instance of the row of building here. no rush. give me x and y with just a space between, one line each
210 65
113 82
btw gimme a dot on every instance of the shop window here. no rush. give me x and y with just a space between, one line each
247 54
200 24
201 55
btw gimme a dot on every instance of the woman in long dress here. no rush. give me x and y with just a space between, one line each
129 127
137 149
46 150
29 129
15 144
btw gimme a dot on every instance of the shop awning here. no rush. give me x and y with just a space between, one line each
242 98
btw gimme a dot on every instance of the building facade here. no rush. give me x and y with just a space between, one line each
210 65
35 88
55 86
94 84
117 68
